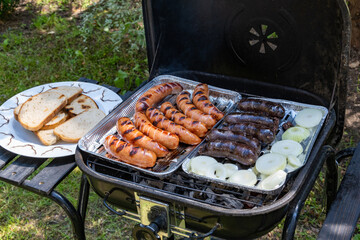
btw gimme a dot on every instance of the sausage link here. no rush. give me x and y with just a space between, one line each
127 130
159 120
184 103
155 94
129 153
234 118
238 152
202 102
262 106
263 133
169 140
174 115
220 134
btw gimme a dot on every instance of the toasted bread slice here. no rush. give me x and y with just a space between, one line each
70 92
56 121
75 128
80 104
47 137
40 109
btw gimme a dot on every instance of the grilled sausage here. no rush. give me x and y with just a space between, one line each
202 102
159 120
169 140
234 118
220 134
129 153
156 94
184 103
238 152
128 131
263 133
262 106
174 115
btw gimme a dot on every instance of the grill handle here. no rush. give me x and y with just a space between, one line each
217 225
107 194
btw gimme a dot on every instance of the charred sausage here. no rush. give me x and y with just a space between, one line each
127 130
129 153
264 134
159 120
169 140
184 103
220 134
174 115
262 106
202 102
238 117
238 152
156 94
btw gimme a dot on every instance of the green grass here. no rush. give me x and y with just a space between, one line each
66 40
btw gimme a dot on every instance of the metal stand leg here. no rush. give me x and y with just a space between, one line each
298 203
331 180
83 196
76 219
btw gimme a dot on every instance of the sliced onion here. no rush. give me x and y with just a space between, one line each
287 147
308 117
230 169
243 177
217 171
294 161
273 181
297 134
200 164
270 163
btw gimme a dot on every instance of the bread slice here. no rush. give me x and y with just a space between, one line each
70 92
56 121
75 128
47 137
80 104
40 109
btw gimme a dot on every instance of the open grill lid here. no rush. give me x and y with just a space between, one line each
294 46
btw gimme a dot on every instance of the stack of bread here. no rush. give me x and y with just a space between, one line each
60 113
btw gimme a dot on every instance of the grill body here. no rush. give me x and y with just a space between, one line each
294 50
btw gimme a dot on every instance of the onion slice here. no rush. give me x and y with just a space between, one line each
297 134
243 177
308 117
287 147
270 163
273 181
200 164
230 169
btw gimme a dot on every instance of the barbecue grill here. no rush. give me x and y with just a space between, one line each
290 50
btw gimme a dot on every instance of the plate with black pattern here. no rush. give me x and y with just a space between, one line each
16 139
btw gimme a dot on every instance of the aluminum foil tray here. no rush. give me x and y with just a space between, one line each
291 109
92 142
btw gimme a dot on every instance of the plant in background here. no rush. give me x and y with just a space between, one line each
7 6
50 23
121 22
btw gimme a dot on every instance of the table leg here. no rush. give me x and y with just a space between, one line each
76 219
83 196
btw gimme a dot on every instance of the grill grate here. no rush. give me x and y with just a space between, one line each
180 184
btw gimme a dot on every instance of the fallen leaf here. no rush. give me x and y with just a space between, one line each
354 64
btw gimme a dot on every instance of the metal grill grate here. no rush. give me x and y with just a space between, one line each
181 185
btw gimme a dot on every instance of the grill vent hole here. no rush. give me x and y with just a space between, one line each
265 38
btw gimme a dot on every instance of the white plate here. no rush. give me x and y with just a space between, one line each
16 139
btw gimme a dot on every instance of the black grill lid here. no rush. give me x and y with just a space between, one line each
298 44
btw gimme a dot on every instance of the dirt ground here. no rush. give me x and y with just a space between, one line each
351 134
